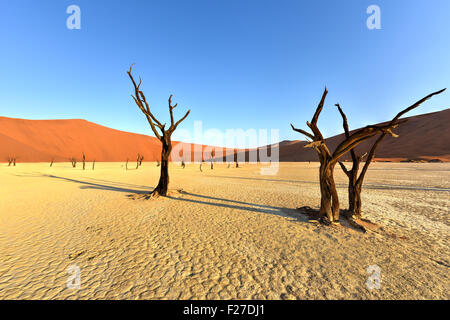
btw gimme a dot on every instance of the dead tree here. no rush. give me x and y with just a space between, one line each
84 161
138 159
213 153
183 165
201 166
93 164
164 136
236 158
158 163
126 165
74 162
329 203
51 163
355 182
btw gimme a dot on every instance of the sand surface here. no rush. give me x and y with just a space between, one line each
230 233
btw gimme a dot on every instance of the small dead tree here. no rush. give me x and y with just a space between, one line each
84 161
213 153
165 135
126 165
74 162
138 159
355 182
236 158
183 165
51 163
93 164
329 203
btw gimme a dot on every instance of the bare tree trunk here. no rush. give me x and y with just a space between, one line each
329 203
51 163
84 161
93 164
126 165
163 184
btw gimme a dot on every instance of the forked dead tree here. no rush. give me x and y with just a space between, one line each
355 182
329 203
164 136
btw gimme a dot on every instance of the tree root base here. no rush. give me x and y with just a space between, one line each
346 219
156 196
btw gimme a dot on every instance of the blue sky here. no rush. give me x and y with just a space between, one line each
234 63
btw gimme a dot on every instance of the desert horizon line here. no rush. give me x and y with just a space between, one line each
210 145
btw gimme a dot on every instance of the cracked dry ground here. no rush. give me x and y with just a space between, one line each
231 233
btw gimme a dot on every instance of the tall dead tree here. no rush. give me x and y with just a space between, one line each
329 203
164 136
355 182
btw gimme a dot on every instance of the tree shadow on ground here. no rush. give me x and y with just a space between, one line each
111 186
344 185
303 214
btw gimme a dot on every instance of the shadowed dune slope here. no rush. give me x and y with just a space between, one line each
423 137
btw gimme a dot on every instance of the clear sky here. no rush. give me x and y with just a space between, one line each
234 63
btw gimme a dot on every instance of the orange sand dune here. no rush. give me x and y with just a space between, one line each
60 140
422 137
